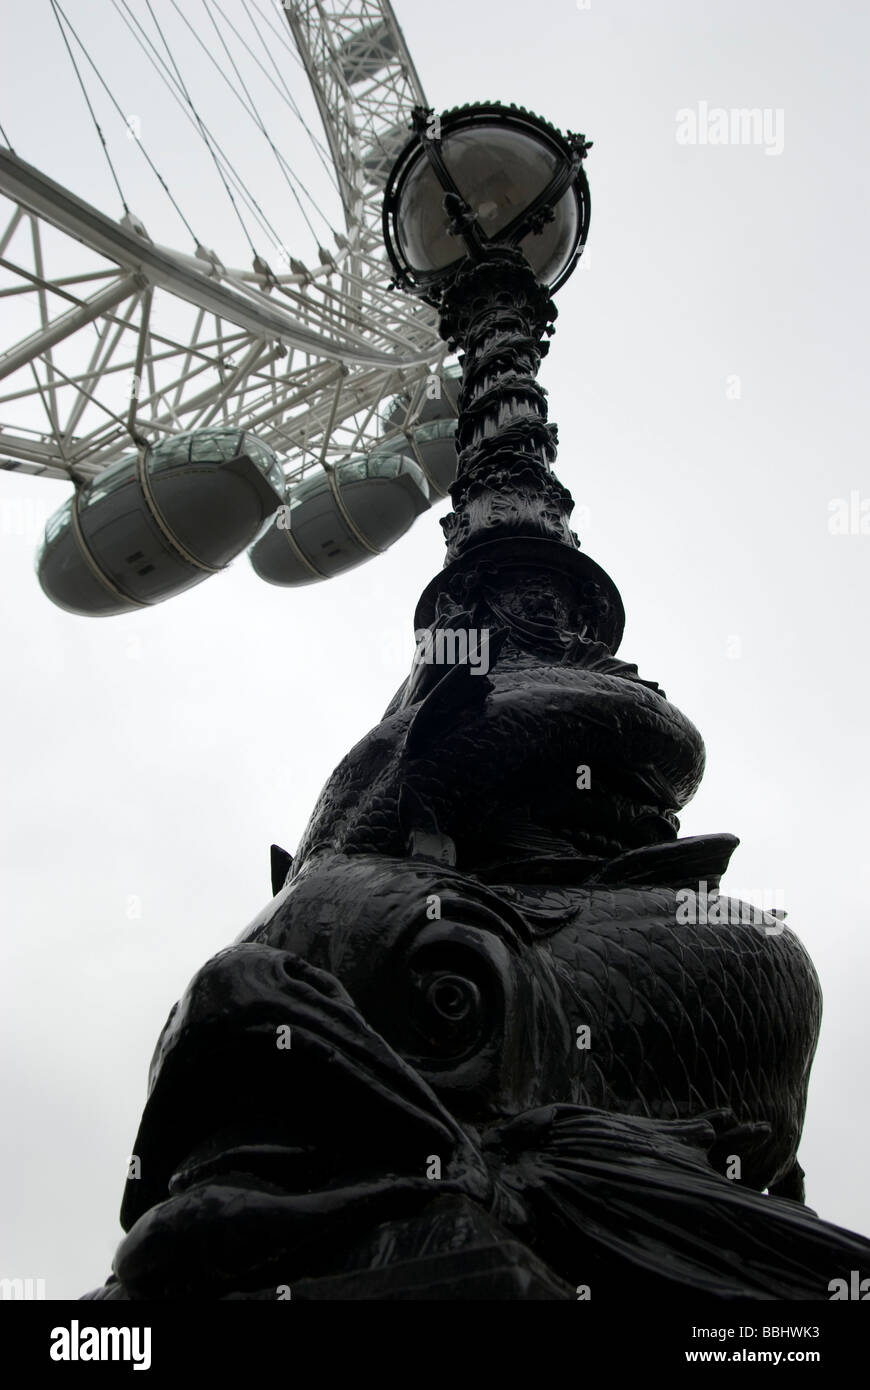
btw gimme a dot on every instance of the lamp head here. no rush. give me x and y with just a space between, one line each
480 177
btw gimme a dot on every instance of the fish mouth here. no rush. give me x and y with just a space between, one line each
260 1162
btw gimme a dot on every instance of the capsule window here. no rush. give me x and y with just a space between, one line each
215 447
385 465
435 429
117 475
266 460
58 523
353 471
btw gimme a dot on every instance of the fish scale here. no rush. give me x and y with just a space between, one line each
692 1018
536 726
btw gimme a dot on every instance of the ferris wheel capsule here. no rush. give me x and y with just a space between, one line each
337 520
434 444
159 521
430 428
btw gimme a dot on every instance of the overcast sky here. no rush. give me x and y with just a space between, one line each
709 379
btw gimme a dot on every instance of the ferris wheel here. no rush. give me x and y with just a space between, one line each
295 407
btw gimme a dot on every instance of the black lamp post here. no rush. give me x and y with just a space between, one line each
486 214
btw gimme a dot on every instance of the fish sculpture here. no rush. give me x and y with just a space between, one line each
475 1047
430 1127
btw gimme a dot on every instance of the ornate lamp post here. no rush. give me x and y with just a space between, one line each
491 1038
486 214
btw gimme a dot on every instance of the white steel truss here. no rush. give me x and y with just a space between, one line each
124 340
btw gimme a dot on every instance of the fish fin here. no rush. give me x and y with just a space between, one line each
281 863
644 1199
677 863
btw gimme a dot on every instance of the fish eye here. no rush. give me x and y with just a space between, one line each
451 995
445 1010
441 994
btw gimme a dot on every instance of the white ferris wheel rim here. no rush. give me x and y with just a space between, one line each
303 356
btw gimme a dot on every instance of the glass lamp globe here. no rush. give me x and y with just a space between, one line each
519 178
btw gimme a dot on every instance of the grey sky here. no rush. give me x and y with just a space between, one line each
708 378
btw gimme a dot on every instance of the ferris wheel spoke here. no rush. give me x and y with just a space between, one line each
99 365
219 291
110 314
